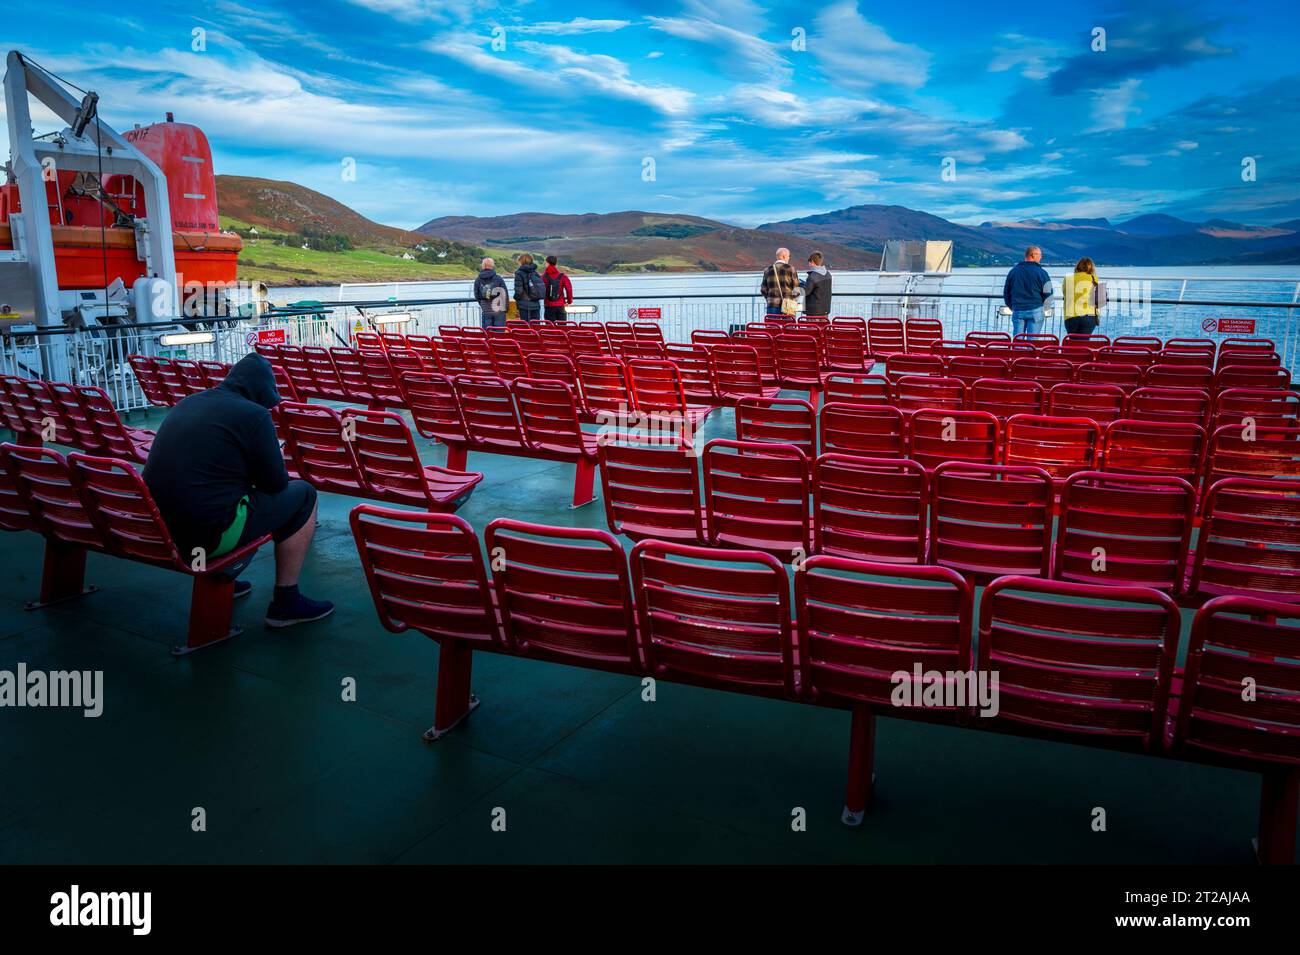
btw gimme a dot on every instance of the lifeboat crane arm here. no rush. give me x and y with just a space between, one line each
84 146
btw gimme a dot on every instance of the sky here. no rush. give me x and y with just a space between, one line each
741 110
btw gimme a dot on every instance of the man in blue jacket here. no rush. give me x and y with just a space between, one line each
1026 290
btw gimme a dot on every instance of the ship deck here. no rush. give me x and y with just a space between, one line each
255 731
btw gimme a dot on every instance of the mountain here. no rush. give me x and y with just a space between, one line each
641 241
289 207
1153 239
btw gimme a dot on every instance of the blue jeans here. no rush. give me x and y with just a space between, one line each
1025 320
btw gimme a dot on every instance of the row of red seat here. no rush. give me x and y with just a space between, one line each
984 520
1080 663
1061 444
82 503
79 416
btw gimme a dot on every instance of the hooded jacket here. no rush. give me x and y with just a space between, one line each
566 287
817 291
522 276
485 288
212 449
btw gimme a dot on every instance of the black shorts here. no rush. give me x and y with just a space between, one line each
280 515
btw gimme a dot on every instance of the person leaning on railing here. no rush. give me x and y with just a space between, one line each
1026 291
1081 299
780 286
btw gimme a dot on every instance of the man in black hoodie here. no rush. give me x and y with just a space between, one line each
530 290
218 477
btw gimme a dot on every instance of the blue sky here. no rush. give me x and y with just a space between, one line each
751 111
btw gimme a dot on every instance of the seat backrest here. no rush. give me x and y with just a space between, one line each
846 347
619 332
603 383
41 486
487 406
914 392
1179 376
1080 660
15 515
125 512
1271 407
549 415
764 346
922 333
37 410
709 337
403 359
971 368
647 332
1186 357
564 594
380 378
756 497
778 421
656 387
1154 448
352 373
1127 355
426 572
294 365
885 336
110 435
850 388
1235 640
1091 342
552 367
477 354
368 340
860 623
1250 540
984 338
637 348
1060 446
426 348
431 398
1036 340
935 436
900 364
1124 376
1003 398
1239 450
714 617
871 430
325 375
1046 371
507 359
583 341
736 370
1144 342
696 370
315 443
1100 402
387 458
598 329
651 489
955 348
990 520
1252 376
150 380
449 353
1173 405
1116 529
191 378
870 508
72 420
798 358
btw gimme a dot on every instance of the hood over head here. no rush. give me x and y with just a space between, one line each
252 378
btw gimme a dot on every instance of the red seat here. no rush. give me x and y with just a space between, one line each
619 332
799 364
848 388
148 375
1179 376
1060 446
507 359
715 618
870 508
647 332
96 425
921 334
1003 398
756 497
1251 376
1124 376
1249 541
1172 405
709 338
552 367
431 399
738 373
1081 662
602 380
1045 371
1236 640
551 430
1258 452
34 412
1117 530
627 350
971 368
563 595
859 625
935 436
916 392
870 430
450 355
778 421
696 370
764 346
325 376
846 348
885 337
352 374
1185 356
1090 342
1037 340
990 520
1144 342
901 364
983 338
1120 355
948 349
1154 448
1268 407
651 490
1101 403
657 395
380 377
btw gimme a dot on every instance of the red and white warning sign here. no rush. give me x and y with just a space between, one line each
266 336
649 314
1237 326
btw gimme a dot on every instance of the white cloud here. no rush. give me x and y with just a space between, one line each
736 51
577 25
1031 57
1112 105
853 52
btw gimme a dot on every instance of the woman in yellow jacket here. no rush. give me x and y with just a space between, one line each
1080 308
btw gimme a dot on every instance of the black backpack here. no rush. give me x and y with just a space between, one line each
554 287
534 287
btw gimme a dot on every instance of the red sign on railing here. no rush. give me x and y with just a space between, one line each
266 336
1237 326
645 314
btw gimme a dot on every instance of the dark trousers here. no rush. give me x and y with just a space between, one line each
531 313
555 313
280 515
1081 325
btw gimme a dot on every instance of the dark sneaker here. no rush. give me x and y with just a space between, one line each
298 610
243 588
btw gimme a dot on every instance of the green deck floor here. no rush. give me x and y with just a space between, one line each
255 732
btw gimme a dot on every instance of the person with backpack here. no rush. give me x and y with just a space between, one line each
530 290
559 290
491 295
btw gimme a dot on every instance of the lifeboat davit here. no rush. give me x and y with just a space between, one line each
90 229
